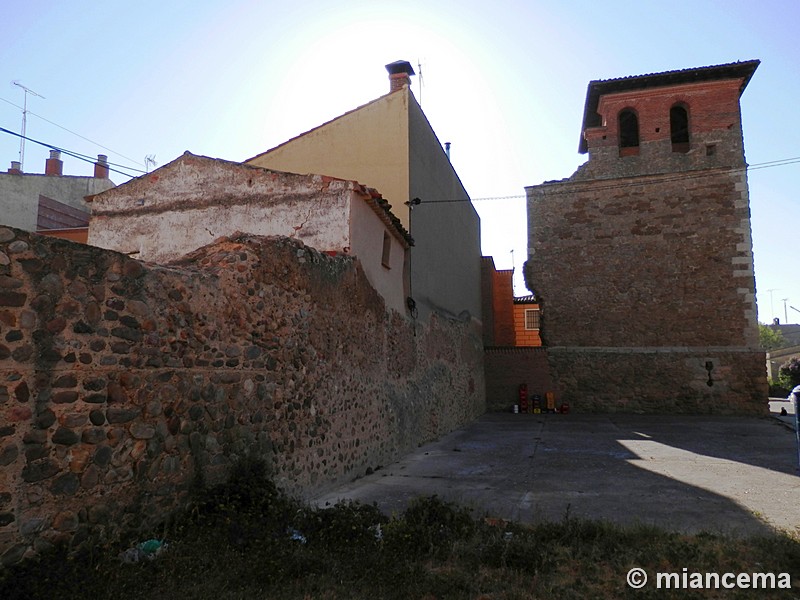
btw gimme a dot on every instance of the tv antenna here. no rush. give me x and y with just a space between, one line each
24 121
150 162
771 302
419 78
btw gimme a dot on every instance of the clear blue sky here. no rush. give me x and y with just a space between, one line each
503 81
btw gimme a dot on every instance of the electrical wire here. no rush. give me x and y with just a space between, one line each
73 133
593 185
82 157
590 185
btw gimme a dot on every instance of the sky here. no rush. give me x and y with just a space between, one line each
504 82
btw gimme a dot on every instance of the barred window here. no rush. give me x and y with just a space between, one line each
531 318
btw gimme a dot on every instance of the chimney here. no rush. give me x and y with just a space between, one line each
400 73
54 165
16 168
101 167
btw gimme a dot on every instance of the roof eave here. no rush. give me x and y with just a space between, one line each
596 89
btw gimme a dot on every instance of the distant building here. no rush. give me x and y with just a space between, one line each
497 298
643 260
790 333
507 321
52 202
194 200
527 319
514 359
389 144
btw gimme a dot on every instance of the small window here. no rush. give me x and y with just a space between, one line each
628 132
387 250
531 318
679 128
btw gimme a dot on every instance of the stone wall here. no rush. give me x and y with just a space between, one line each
661 380
639 272
649 262
123 382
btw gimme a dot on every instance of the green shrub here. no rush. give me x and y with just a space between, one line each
429 526
249 506
776 390
789 374
346 525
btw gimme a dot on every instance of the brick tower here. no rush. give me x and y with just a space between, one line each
643 258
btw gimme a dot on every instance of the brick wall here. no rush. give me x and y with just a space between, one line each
497 296
714 118
508 367
523 336
123 382
502 305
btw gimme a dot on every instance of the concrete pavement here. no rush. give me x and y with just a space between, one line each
687 473
775 406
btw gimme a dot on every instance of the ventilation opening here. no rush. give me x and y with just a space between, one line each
387 250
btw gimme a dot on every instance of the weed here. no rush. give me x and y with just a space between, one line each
246 539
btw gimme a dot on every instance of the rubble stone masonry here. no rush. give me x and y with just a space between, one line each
645 282
643 259
122 383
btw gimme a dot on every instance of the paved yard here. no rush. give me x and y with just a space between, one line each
730 474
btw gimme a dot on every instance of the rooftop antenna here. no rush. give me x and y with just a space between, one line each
24 121
150 162
771 303
419 76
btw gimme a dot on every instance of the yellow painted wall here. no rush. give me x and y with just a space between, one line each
389 145
369 144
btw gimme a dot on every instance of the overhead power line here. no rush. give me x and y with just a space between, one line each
590 184
82 157
596 184
99 145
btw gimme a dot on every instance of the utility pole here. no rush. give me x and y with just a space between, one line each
24 122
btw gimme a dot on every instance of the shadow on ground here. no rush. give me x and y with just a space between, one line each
722 474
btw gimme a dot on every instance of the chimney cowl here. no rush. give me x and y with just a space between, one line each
400 72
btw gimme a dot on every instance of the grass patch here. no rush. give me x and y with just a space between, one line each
246 539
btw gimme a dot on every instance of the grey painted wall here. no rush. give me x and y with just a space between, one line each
19 195
446 258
